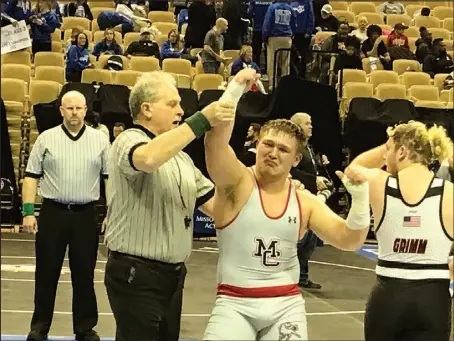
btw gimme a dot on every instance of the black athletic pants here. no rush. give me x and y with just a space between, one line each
301 44
60 226
404 310
257 42
146 297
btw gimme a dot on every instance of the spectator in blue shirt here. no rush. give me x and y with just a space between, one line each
304 12
43 22
18 9
111 19
279 27
257 11
171 48
108 45
244 61
77 59
182 18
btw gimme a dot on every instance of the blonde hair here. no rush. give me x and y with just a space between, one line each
424 145
146 89
244 50
286 127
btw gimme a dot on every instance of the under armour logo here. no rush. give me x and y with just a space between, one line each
290 219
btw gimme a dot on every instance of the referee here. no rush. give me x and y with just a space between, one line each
154 188
68 161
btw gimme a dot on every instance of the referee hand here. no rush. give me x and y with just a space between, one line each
219 112
30 225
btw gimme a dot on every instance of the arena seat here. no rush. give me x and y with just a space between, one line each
165 27
360 7
415 78
57 47
13 90
129 38
126 77
442 12
102 61
440 33
50 73
345 15
383 76
209 96
402 65
160 39
97 75
428 22
17 71
393 19
412 32
43 91
17 57
206 82
114 98
178 66
56 36
433 4
161 17
430 104
448 24
424 92
390 91
144 64
232 54
412 9
49 59
95 11
373 18
339 5
439 80
357 89
94 25
71 22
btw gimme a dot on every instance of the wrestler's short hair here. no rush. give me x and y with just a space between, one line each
425 145
286 127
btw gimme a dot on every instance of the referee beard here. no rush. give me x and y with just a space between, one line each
68 161
154 188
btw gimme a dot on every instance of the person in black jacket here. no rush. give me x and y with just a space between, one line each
201 18
144 47
79 8
439 61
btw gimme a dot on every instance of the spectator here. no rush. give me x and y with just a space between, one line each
351 57
118 128
361 31
279 27
335 44
397 36
43 23
18 9
124 8
55 8
94 120
171 48
108 45
201 18
78 59
244 61
74 32
327 21
182 18
79 8
304 26
425 12
391 7
180 5
439 61
233 37
375 47
249 151
256 12
213 45
318 5
145 46
423 44
112 19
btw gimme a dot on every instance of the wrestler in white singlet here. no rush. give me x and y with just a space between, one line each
258 275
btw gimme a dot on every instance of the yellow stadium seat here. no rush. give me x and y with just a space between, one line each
424 93
360 7
126 77
97 75
18 57
50 73
403 65
207 82
49 59
381 76
390 91
161 17
415 78
428 22
18 71
144 64
177 66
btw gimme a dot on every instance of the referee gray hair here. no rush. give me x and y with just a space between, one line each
146 89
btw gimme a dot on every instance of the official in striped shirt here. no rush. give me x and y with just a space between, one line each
67 162
154 188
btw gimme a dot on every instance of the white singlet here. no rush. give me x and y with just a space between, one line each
258 272
413 243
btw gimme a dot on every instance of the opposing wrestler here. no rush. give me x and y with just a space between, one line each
413 214
260 216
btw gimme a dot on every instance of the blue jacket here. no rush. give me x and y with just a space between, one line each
168 51
77 59
14 11
113 18
182 18
257 11
101 47
240 64
43 33
304 12
280 21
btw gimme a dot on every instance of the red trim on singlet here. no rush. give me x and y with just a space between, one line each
276 291
286 204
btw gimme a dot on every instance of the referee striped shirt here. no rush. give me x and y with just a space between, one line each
146 213
69 167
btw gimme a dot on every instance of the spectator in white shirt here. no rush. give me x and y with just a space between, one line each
361 31
123 8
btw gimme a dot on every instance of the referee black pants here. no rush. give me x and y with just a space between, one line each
58 228
145 296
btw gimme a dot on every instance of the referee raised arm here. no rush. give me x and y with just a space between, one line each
153 190
68 162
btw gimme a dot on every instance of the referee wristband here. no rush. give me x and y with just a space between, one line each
28 209
198 123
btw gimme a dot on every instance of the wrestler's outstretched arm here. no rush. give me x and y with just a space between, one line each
224 168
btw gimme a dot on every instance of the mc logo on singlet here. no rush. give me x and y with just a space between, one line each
268 253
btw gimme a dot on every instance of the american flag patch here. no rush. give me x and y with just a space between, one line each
412 221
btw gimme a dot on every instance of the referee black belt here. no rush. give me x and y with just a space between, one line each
119 255
70 207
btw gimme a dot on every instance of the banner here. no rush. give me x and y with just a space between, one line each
15 38
203 224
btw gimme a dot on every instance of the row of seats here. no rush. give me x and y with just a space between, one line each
410 6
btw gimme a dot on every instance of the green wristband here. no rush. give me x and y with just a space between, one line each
198 123
28 209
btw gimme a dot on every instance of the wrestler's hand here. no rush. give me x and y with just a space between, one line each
29 224
219 112
247 76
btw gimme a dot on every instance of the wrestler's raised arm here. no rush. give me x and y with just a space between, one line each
223 166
